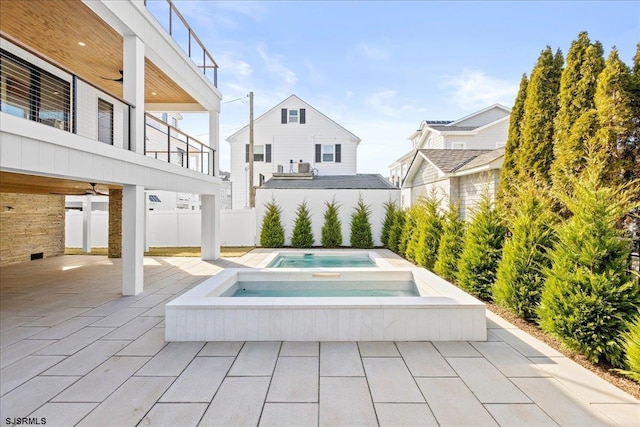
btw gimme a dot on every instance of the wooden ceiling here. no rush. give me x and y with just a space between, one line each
53 28
34 184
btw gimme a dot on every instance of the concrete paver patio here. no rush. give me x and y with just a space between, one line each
75 352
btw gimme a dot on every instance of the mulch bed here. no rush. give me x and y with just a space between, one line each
603 370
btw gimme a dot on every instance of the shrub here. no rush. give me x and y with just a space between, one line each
450 244
332 227
390 212
272 234
302 234
482 250
426 251
632 350
361 236
408 228
417 217
590 294
520 276
396 230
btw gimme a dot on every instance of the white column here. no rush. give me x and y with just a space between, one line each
146 222
86 224
210 217
214 135
132 239
133 88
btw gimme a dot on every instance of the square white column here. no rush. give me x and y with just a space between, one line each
133 88
214 135
210 217
132 239
86 224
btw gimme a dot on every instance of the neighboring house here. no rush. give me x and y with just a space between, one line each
75 101
290 133
225 190
458 175
486 129
316 191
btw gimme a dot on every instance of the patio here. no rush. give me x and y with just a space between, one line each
75 351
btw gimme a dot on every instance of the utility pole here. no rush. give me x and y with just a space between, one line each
252 189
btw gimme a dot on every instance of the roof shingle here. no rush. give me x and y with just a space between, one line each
337 182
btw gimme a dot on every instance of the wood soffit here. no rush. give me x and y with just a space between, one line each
53 29
34 184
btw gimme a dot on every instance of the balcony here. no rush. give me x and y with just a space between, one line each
42 91
168 15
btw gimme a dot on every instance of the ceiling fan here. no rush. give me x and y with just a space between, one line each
93 191
120 80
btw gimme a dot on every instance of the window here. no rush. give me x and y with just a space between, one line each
105 121
327 153
261 153
458 145
32 93
293 116
258 153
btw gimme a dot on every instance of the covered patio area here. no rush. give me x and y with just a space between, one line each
75 351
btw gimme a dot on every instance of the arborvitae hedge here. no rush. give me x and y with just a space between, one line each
589 293
417 218
426 251
361 236
272 234
396 230
520 275
408 228
332 227
389 216
451 243
482 250
632 350
302 234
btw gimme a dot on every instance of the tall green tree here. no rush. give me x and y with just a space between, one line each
520 275
482 250
450 245
426 251
635 102
614 103
510 173
632 350
390 209
590 294
408 228
540 108
302 234
272 233
361 236
396 230
417 214
332 227
578 84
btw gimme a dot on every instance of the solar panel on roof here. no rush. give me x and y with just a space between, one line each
154 198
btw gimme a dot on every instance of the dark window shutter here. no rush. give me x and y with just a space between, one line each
283 116
267 153
246 153
318 153
303 116
338 153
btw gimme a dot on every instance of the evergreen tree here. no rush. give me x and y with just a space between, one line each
332 227
613 101
576 103
390 212
482 250
540 107
408 228
510 174
589 293
272 233
635 103
361 236
520 276
426 250
417 214
396 230
302 234
450 245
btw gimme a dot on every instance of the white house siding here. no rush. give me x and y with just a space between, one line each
486 139
484 118
471 187
426 173
290 141
437 141
289 199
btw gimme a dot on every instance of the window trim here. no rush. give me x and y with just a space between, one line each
293 116
324 152
463 143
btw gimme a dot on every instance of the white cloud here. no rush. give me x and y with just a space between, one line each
253 9
276 67
374 52
474 89
381 102
232 65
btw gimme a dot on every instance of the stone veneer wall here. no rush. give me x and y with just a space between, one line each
30 224
115 224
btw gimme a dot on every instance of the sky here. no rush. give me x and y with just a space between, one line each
379 68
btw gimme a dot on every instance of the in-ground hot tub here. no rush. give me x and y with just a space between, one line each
441 312
324 258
